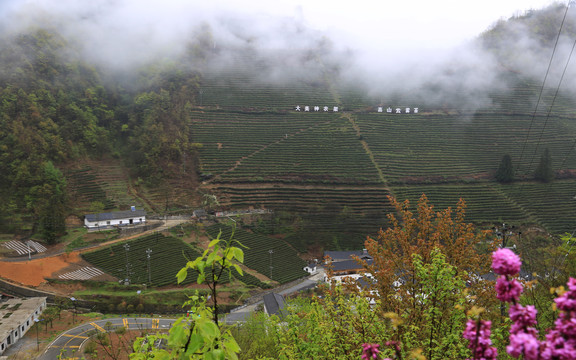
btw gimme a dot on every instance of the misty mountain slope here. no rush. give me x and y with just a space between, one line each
221 105
241 90
471 114
266 79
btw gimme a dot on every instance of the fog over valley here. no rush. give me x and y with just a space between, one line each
292 42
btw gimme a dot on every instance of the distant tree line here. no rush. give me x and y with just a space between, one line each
543 173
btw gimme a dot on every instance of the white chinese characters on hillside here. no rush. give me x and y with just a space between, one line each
380 109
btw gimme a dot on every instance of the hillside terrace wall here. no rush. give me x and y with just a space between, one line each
20 291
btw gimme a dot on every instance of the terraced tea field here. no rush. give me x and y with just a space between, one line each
552 205
274 157
168 255
262 252
485 203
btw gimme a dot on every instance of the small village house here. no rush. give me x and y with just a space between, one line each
274 304
116 218
18 316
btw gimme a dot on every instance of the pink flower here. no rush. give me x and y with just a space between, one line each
567 301
522 317
524 343
370 351
505 262
478 333
508 290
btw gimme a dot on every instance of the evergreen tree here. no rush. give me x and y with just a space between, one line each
505 173
49 202
544 171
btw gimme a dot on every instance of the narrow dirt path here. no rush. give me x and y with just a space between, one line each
33 272
366 147
286 138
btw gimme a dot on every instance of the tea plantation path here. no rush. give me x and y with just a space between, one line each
168 224
285 138
365 145
16 270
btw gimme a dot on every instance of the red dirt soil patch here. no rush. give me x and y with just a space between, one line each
33 272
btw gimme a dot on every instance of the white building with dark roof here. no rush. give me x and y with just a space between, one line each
116 218
336 256
17 317
344 264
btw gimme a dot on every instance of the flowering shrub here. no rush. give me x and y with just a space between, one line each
478 333
370 351
559 342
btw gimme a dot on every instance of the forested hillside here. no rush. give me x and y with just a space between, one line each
58 109
298 131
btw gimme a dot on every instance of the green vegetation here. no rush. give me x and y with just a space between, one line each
200 336
76 138
505 172
128 260
544 171
286 265
118 293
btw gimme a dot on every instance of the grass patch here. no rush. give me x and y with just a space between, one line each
153 297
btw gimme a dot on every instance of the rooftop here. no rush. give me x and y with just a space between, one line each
348 265
347 255
14 312
116 215
274 303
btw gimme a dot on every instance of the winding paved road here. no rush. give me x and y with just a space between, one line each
69 343
242 313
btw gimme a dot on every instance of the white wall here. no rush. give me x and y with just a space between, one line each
117 222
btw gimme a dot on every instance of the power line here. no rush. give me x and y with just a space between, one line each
542 90
574 143
553 100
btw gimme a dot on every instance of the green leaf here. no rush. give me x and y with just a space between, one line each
216 354
239 269
231 344
178 336
196 343
200 266
242 245
238 254
210 259
213 243
182 274
209 330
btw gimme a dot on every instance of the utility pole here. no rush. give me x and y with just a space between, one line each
271 252
37 321
73 299
127 248
504 234
148 252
